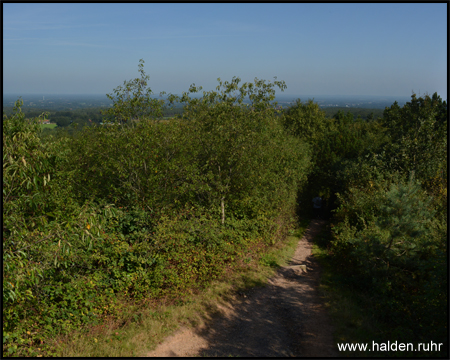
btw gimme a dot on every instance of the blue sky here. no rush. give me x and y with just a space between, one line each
317 49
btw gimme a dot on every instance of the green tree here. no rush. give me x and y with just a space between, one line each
134 101
306 121
26 165
343 118
232 138
335 143
418 141
408 120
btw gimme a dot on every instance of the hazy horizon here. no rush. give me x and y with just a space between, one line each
375 49
278 95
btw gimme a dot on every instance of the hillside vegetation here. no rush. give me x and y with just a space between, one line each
385 187
155 210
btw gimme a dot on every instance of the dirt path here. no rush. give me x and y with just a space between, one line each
285 318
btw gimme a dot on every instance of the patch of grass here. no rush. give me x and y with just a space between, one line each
268 260
143 326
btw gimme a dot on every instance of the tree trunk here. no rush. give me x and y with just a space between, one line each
222 203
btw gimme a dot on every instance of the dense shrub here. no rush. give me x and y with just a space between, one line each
143 208
389 230
139 210
335 144
388 253
418 142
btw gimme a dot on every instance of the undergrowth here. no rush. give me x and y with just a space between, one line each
142 326
355 311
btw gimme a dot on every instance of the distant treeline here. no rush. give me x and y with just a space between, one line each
365 114
82 116
79 116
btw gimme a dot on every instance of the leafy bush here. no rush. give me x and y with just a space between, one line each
144 209
133 101
418 141
306 121
388 252
388 230
335 144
